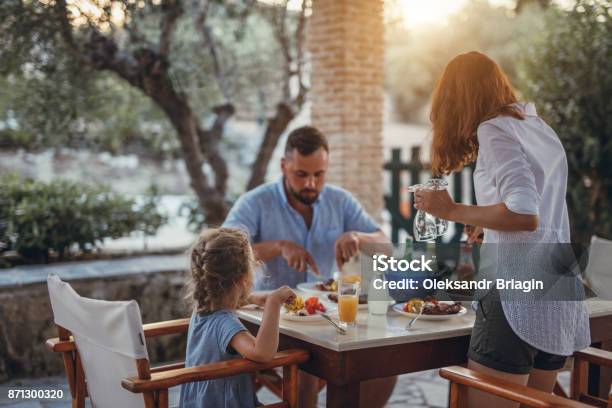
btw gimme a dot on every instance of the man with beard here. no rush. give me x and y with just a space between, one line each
299 226
303 230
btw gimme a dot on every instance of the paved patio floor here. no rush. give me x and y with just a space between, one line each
417 390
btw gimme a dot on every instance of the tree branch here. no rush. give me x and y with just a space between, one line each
209 143
287 109
147 70
65 28
172 11
209 41
280 32
300 30
274 129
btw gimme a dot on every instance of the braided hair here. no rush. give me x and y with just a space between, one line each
220 258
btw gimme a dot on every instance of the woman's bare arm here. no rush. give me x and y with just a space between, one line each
496 217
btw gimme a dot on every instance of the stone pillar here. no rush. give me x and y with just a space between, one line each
346 45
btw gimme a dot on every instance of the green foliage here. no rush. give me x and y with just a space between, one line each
417 56
191 210
195 216
39 220
50 100
568 72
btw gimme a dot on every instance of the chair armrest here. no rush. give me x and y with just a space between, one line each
171 378
167 327
595 356
167 367
506 389
60 346
150 330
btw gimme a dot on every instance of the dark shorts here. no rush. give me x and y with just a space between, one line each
495 345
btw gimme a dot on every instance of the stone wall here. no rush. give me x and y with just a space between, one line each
26 319
346 45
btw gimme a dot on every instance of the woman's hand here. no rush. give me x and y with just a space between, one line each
474 234
435 202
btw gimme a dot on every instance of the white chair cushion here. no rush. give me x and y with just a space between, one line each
109 338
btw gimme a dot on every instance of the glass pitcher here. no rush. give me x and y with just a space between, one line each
426 227
439 184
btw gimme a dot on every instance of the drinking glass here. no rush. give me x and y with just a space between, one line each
348 301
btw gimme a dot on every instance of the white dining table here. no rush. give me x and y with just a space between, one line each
380 345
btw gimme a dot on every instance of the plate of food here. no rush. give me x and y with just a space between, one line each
432 309
327 286
319 288
301 310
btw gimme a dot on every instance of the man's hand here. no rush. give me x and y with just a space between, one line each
297 257
346 247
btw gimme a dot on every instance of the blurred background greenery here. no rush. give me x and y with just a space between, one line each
245 54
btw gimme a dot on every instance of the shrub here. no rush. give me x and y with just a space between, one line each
568 73
39 219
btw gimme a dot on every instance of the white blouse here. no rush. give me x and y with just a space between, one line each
523 164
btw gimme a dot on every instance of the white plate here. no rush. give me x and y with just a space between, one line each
309 287
399 308
305 319
331 311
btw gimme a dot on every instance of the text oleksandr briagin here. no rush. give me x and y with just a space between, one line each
384 263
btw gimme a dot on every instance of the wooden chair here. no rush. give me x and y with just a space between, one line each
580 375
462 378
103 345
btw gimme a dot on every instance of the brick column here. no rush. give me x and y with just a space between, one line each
346 45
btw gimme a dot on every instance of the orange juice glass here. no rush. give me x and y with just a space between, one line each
348 301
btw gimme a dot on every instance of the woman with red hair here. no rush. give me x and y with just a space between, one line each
520 183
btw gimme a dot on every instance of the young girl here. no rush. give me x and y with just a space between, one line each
221 280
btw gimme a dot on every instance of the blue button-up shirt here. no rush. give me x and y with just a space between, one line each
266 215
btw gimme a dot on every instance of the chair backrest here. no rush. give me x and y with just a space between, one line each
598 273
109 338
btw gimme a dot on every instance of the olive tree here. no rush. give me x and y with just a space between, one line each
184 56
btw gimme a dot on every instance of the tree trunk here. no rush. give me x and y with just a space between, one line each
276 126
209 144
212 201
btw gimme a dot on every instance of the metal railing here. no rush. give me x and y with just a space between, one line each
401 210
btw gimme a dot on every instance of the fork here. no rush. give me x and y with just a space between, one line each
414 319
331 321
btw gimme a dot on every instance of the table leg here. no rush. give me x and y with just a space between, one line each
343 396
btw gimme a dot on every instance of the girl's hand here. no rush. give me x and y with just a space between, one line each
257 298
435 202
284 294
